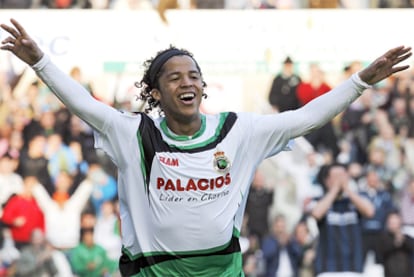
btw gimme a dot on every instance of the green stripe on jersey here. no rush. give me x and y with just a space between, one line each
169 134
223 117
229 265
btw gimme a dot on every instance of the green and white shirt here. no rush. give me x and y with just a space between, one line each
182 198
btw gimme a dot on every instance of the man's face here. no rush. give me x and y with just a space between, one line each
337 177
180 88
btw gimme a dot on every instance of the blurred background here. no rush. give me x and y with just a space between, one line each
241 46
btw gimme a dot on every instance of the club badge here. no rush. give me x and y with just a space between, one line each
221 163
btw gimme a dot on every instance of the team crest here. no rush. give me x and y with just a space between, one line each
221 163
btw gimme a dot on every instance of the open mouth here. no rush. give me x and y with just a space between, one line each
187 97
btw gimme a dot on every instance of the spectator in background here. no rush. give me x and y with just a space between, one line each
303 237
390 143
62 122
63 211
60 156
209 4
282 255
45 125
406 204
15 4
36 259
5 134
107 233
399 117
22 214
372 228
10 182
9 254
82 133
253 260
32 100
259 201
104 185
396 248
67 4
282 96
338 214
393 4
323 139
16 144
89 259
377 162
77 73
81 165
88 219
33 162
323 4
357 125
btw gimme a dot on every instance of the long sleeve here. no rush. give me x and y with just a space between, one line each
323 108
73 94
266 135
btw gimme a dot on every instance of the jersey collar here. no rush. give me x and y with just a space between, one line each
176 137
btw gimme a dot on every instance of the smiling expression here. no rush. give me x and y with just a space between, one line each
180 90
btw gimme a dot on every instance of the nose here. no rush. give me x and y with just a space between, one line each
186 81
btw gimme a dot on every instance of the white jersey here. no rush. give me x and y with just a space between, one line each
182 198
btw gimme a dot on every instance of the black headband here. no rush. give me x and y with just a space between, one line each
159 61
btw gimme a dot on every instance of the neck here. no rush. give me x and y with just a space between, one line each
184 128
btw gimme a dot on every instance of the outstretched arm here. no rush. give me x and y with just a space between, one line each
70 92
323 108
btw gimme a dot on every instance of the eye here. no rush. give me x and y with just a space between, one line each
195 76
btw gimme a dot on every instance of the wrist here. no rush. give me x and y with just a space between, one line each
41 63
359 79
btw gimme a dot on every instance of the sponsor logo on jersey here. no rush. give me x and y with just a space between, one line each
193 184
221 163
169 161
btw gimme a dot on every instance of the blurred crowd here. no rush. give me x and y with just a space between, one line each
204 4
59 209
343 197
58 195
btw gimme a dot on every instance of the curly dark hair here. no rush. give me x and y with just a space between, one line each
152 71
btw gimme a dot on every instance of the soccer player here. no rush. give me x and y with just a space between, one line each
184 176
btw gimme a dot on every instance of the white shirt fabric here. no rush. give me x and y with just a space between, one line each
162 217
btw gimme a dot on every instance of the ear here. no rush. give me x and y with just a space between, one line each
156 94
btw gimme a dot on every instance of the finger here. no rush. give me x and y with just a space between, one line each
399 68
19 27
10 30
10 40
398 51
402 58
390 53
7 47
